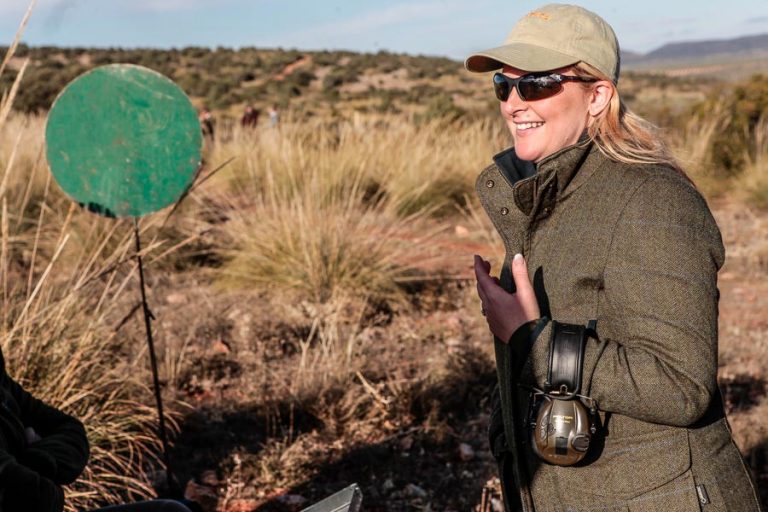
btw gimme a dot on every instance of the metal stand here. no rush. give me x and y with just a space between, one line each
173 484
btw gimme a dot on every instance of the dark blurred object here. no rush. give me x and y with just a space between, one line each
742 392
250 117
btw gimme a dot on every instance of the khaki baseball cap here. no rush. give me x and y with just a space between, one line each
552 37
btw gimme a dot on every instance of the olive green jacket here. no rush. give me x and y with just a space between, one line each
634 247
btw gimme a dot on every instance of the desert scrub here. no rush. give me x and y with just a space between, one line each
329 209
752 183
734 144
399 165
317 245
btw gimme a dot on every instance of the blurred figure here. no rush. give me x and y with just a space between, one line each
250 117
206 122
274 116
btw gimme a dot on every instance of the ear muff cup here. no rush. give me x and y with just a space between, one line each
563 430
562 421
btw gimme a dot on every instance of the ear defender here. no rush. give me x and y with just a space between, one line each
562 421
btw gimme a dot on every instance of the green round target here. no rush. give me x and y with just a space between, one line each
123 141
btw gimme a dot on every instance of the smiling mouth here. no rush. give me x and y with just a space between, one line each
528 126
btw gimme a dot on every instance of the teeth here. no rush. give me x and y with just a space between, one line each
528 126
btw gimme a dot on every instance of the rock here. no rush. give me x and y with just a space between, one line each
466 452
414 491
452 342
220 347
176 298
461 231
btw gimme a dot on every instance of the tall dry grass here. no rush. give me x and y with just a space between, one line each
752 184
65 278
337 210
693 145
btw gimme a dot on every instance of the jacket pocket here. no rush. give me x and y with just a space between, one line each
631 467
679 495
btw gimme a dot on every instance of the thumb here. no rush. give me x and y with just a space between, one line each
525 294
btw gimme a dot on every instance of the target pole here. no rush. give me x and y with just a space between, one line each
173 484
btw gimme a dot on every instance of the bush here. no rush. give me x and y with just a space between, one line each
734 143
442 107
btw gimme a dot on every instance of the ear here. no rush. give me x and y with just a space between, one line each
600 97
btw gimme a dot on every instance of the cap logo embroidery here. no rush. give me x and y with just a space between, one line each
537 14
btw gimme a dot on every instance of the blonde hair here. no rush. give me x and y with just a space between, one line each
622 135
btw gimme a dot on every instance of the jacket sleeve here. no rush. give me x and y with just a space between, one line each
25 489
658 361
62 453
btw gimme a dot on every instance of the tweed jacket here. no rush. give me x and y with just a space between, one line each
636 248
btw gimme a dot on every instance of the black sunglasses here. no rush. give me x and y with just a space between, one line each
534 86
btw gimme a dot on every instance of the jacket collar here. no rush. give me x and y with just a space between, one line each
537 187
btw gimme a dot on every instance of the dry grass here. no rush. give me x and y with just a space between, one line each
752 184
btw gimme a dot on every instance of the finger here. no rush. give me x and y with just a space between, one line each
525 294
482 278
481 271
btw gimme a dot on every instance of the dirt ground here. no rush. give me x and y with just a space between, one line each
410 427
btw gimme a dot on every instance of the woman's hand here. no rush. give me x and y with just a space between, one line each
505 311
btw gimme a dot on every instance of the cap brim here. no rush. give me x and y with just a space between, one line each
522 56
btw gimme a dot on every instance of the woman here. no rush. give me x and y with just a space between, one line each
607 226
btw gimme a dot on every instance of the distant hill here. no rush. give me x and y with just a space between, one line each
693 52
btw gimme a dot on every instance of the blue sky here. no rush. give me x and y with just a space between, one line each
434 27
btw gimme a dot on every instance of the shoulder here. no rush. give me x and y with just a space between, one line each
665 208
661 191
653 189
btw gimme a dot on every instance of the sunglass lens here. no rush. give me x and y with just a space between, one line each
501 87
538 88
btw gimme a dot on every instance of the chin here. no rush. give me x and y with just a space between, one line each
527 153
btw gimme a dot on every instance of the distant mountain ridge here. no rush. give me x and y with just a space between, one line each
745 46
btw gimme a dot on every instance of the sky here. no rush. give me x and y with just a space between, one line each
449 28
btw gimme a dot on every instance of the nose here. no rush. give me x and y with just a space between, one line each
514 103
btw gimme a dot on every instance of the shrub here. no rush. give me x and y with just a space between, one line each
735 142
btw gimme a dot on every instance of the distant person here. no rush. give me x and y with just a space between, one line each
274 116
250 117
604 315
42 449
206 122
